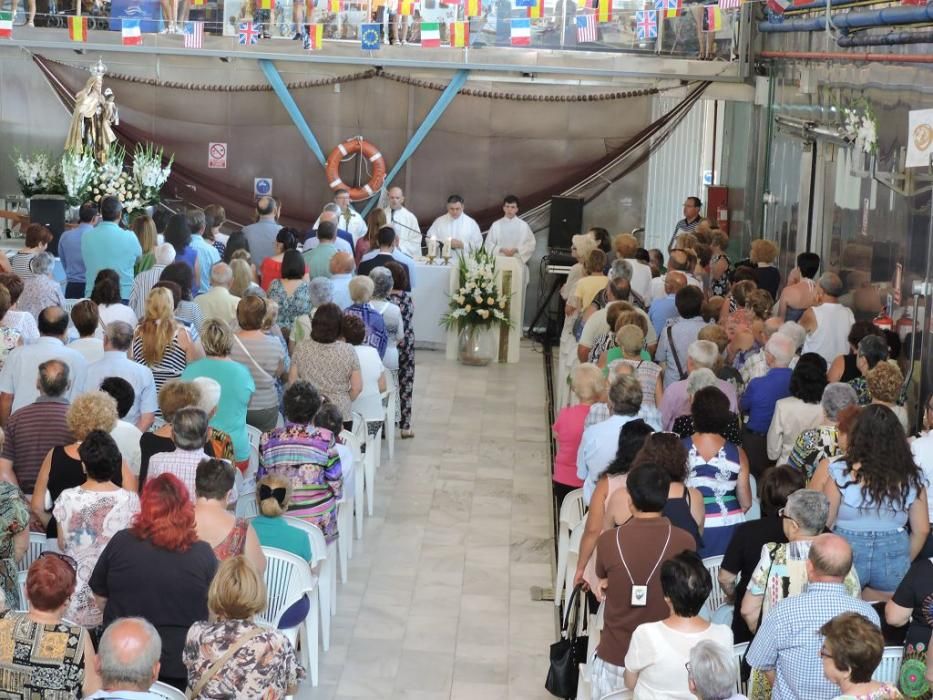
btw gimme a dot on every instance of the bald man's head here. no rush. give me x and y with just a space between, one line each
128 656
341 264
830 559
674 281
678 260
53 322
265 206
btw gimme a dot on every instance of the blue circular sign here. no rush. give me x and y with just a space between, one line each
263 186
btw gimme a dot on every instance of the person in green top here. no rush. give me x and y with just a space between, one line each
273 494
236 384
627 318
317 259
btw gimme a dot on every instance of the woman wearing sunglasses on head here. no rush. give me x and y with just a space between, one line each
44 655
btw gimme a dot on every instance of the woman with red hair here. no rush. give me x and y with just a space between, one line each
43 655
158 570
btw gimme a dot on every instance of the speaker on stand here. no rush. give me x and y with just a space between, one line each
566 222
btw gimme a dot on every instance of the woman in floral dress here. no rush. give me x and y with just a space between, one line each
406 347
263 665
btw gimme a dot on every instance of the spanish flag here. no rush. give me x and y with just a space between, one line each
198 3
459 34
315 36
333 5
473 8
604 11
406 8
77 28
536 11
713 18
266 4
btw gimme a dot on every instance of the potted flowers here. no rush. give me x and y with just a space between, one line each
477 306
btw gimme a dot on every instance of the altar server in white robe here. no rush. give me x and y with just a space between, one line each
404 222
511 236
456 227
350 219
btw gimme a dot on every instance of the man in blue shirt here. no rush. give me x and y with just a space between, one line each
760 396
69 251
788 647
664 308
109 246
674 342
207 254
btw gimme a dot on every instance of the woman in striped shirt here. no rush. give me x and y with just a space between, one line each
307 457
718 469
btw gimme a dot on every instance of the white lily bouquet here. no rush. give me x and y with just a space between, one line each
148 170
112 181
478 302
861 126
78 173
38 174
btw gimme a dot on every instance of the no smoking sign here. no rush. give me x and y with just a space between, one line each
217 155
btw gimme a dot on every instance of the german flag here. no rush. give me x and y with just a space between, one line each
473 8
713 18
459 34
604 11
77 28
536 11
406 8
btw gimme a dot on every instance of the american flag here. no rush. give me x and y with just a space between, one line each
730 4
586 28
194 35
248 33
646 25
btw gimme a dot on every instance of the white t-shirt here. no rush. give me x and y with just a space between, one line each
922 448
91 348
117 312
369 403
127 436
659 653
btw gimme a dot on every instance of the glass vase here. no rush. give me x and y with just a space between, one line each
474 346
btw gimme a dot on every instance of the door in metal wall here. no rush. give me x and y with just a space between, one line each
787 216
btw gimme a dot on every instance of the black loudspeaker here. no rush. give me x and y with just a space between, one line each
51 214
566 221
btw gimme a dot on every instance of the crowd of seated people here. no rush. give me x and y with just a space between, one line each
791 471
131 419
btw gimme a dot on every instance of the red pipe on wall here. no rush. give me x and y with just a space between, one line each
850 57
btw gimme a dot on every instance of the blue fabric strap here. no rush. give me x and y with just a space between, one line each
288 102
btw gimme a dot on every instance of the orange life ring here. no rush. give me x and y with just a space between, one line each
371 153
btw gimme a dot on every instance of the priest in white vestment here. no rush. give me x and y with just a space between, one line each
511 236
404 222
350 219
455 227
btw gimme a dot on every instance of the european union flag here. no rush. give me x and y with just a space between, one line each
369 36
525 3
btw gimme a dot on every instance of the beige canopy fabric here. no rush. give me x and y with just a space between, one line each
483 147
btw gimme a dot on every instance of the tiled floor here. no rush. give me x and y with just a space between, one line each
437 605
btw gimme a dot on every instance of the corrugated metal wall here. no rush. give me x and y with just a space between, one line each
675 171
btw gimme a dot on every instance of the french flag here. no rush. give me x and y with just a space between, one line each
521 32
132 34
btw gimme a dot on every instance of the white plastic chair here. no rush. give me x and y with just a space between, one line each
716 596
254 435
571 514
164 690
890 666
353 443
323 558
288 579
246 505
573 556
388 399
37 542
738 653
370 462
21 582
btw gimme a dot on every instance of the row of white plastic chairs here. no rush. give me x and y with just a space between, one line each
287 577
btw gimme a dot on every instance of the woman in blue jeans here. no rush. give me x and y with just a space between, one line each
878 501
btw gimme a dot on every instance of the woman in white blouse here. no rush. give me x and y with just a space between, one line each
391 315
799 411
369 401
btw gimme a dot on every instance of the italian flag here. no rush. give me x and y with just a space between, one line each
6 25
459 34
430 35
77 28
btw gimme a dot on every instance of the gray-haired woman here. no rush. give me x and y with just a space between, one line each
391 315
822 442
711 672
320 292
40 290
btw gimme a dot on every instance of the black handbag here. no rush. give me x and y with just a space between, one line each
569 651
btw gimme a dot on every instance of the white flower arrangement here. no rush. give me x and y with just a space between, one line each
148 170
78 173
478 301
38 174
861 127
